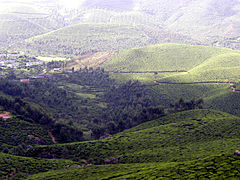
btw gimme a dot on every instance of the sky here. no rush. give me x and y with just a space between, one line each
70 4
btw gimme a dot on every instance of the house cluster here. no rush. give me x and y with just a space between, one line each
5 115
44 76
233 87
47 76
15 60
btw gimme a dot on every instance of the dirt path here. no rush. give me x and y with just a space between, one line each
232 84
205 82
143 72
52 137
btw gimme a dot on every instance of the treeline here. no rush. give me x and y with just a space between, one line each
43 92
182 105
89 77
34 114
129 104
114 108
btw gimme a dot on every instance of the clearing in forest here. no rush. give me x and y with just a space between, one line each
90 60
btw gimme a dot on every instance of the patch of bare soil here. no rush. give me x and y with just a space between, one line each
90 60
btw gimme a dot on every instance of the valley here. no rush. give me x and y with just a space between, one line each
119 89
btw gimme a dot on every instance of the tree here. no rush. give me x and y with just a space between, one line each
97 132
181 105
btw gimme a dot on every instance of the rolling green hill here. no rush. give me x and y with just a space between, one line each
213 21
203 65
89 38
177 137
223 67
189 144
217 21
24 19
168 57
215 167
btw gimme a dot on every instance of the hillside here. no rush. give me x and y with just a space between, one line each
21 167
25 19
185 71
189 144
16 132
215 167
210 19
223 67
213 22
83 38
14 28
163 57
177 137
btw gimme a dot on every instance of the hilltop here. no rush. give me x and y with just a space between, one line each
163 57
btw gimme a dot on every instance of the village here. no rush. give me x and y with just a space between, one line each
18 66
17 60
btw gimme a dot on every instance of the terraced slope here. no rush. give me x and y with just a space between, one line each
215 167
177 137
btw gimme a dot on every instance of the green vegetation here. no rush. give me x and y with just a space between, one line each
33 113
206 65
163 57
189 144
87 38
214 167
223 67
82 39
18 134
182 136
130 120
20 167
85 101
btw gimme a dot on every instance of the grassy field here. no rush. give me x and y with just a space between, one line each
177 137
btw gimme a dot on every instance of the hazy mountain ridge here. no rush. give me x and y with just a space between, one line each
209 22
